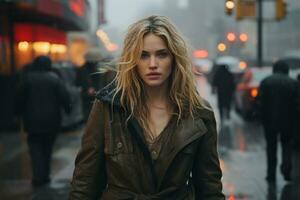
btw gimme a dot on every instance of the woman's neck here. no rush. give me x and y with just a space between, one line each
157 97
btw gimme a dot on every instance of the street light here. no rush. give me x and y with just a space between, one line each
221 47
231 37
229 6
243 37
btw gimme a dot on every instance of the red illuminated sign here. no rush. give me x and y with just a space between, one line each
78 7
35 32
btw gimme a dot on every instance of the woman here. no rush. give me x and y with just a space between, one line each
150 135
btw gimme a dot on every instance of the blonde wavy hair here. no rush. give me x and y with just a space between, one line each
183 94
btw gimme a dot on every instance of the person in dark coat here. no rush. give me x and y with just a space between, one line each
150 135
297 125
276 104
296 138
42 98
88 85
223 84
91 79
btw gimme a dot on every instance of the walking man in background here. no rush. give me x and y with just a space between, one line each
41 98
276 103
223 84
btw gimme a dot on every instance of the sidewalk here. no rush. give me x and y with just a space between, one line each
15 170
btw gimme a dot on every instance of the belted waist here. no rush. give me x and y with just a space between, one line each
117 193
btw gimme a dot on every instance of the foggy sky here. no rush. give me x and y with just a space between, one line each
121 13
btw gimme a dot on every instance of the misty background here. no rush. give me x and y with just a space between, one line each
205 24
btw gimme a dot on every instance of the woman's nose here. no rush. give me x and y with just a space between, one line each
153 62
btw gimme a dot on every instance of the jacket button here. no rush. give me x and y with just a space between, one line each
154 154
119 145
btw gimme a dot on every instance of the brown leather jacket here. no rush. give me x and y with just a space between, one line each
115 164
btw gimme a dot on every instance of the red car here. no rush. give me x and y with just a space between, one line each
247 90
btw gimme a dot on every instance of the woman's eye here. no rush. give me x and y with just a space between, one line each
143 56
163 55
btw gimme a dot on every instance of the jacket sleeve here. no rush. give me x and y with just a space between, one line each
89 177
207 173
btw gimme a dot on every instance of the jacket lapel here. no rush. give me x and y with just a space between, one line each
136 132
188 131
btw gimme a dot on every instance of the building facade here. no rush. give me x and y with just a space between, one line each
30 28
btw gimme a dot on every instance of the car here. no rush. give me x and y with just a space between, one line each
247 90
67 73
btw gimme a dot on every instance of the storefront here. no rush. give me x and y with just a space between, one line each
29 28
32 28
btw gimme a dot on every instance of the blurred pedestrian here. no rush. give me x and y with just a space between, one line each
223 84
296 139
41 97
297 125
88 86
276 101
150 135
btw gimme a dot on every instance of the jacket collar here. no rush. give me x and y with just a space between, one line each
107 93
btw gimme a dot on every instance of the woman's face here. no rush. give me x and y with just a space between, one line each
155 64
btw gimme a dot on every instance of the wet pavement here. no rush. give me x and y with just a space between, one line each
15 168
241 149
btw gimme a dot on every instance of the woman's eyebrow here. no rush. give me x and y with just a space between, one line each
162 51
157 51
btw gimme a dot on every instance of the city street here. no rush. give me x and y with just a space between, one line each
56 55
241 149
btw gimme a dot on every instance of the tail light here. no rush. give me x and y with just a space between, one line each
253 92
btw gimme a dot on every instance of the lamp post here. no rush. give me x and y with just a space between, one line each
259 34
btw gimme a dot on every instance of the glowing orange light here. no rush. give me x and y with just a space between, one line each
243 37
231 197
200 54
222 47
41 47
23 46
231 37
58 48
105 39
229 4
112 47
242 65
254 92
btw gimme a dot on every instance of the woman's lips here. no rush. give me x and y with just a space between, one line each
153 75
